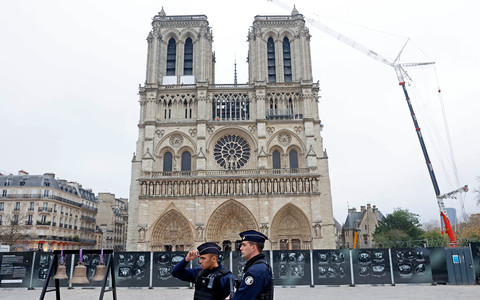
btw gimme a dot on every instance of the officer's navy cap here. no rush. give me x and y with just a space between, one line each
207 248
253 236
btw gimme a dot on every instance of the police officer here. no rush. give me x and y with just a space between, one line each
212 280
257 279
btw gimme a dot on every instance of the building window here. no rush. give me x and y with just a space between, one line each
186 161
231 106
32 206
4 193
295 244
1 219
287 60
271 60
284 244
7 182
188 57
30 220
43 219
171 57
46 182
45 193
231 152
2 205
53 221
167 162
22 183
17 206
55 208
293 159
15 220
45 206
276 160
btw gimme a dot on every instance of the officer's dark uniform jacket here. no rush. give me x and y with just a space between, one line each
209 284
257 280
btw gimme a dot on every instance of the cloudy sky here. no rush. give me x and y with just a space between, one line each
69 75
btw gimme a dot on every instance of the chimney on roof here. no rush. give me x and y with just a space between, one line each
22 172
49 175
374 209
369 207
352 210
362 208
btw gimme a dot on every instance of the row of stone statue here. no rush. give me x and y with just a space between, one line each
229 187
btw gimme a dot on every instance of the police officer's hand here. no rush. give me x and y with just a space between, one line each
192 255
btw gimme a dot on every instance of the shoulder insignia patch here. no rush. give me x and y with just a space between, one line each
249 280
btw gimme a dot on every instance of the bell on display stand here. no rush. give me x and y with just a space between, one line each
80 272
61 272
101 269
61 269
100 272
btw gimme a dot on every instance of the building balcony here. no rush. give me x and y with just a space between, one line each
40 223
87 218
228 173
45 209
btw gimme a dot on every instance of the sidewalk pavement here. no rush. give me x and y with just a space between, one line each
442 292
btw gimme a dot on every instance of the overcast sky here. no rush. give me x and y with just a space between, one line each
69 75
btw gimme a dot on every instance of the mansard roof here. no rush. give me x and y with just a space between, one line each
46 180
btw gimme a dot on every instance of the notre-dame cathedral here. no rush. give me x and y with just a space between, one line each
213 160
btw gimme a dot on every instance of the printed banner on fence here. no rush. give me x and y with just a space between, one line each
411 265
371 266
132 269
331 267
292 267
163 263
15 269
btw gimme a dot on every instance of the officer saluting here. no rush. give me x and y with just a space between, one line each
257 279
212 280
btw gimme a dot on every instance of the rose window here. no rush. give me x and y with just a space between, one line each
231 152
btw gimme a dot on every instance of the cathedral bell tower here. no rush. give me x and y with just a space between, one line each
215 160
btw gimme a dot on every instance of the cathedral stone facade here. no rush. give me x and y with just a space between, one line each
213 160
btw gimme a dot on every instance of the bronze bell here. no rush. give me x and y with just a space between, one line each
61 272
79 274
100 273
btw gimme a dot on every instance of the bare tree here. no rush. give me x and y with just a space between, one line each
431 225
13 229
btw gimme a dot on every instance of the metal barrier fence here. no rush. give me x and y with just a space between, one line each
300 267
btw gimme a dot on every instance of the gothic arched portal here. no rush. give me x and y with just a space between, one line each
290 228
171 232
228 220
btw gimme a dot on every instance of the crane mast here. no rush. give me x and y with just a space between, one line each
401 74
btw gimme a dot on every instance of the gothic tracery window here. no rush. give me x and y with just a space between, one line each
276 160
171 57
231 152
293 157
188 57
167 162
287 61
271 60
186 161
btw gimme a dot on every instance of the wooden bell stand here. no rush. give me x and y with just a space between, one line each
109 269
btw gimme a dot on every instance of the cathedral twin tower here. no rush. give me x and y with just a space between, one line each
214 160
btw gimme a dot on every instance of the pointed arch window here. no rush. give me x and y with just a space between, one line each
167 162
188 57
271 60
287 60
276 160
171 57
293 155
186 161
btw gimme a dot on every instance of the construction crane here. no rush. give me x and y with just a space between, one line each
401 75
